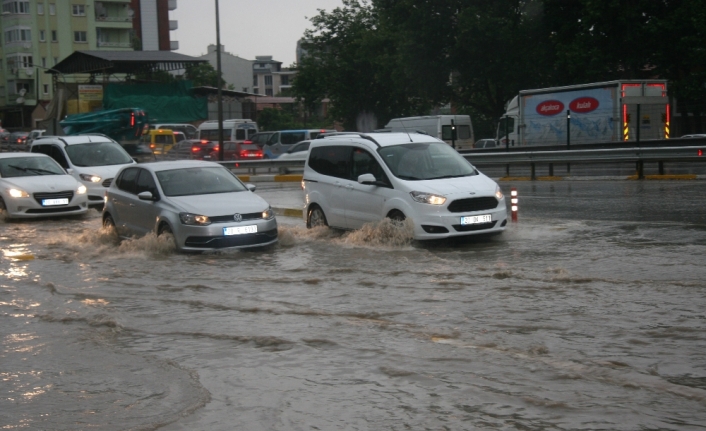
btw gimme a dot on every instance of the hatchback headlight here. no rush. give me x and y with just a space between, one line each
81 189
18 193
428 198
91 178
268 214
499 193
194 219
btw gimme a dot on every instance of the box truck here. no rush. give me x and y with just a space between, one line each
612 111
438 126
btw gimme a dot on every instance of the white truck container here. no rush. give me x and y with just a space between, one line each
438 126
609 111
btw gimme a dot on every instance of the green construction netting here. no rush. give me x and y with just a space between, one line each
164 103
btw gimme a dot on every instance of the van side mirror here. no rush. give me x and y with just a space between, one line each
368 179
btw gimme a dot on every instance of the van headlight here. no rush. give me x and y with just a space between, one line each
268 214
499 193
194 219
428 198
91 178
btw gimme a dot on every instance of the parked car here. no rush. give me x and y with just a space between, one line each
203 205
281 141
34 185
352 180
159 140
245 150
34 134
92 159
198 149
18 141
696 135
261 138
298 152
140 152
485 143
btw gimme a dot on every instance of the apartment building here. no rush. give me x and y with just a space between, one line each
38 34
269 77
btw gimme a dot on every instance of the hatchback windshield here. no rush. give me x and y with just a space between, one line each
98 154
199 181
425 161
29 166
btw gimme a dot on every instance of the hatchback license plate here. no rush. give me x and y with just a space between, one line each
52 202
239 230
485 218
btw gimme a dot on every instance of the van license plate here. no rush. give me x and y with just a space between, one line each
485 218
239 230
52 202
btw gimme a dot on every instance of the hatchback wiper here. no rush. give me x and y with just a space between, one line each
37 170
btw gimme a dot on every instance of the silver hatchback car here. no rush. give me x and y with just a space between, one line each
203 205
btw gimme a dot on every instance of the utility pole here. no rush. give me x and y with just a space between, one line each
220 96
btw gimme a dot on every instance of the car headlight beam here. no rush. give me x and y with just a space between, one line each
427 198
499 193
194 219
268 214
18 193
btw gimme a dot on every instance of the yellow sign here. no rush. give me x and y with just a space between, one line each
90 93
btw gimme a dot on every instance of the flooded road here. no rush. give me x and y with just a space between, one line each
589 313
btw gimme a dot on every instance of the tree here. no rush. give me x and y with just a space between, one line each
203 74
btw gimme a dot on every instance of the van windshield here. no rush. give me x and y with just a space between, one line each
98 154
425 161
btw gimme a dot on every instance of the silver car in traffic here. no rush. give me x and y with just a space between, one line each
201 204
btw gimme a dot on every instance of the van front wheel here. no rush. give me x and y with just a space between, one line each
315 217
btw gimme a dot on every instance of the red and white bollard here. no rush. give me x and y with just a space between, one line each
513 204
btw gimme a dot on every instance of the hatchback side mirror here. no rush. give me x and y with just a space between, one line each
147 196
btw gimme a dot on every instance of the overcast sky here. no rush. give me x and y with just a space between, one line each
248 27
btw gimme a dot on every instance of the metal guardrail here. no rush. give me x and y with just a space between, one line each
638 155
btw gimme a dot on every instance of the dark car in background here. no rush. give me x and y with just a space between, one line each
246 150
140 152
196 149
18 141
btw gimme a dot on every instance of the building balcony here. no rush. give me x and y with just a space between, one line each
102 44
174 45
172 4
173 24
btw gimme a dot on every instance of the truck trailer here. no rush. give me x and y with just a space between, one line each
612 111
455 130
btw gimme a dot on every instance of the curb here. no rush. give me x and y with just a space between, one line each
686 177
288 212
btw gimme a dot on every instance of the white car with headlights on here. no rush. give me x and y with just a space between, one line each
203 205
91 159
34 185
353 179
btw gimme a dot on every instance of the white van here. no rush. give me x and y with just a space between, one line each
354 179
236 130
438 126
93 160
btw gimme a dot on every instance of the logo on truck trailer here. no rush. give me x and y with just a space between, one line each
550 108
583 105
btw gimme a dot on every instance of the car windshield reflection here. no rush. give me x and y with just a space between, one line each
28 167
97 154
199 181
425 161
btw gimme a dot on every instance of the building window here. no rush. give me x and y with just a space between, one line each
16 61
18 34
254 80
45 88
56 60
15 7
42 36
80 36
285 79
53 36
52 9
40 8
78 10
268 79
44 62
268 92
